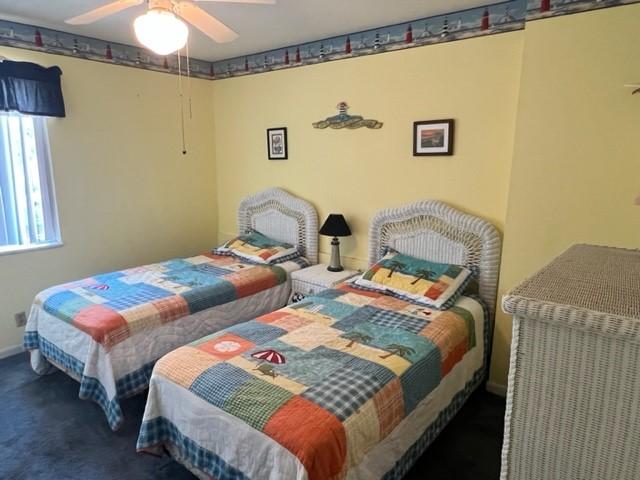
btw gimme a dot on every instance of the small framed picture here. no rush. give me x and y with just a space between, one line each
277 143
433 137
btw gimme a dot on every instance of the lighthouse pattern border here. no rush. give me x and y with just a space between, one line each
497 18
537 9
13 34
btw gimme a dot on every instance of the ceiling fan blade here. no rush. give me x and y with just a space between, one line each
103 11
210 26
263 2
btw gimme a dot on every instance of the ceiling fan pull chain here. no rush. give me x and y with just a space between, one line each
189 79
181 97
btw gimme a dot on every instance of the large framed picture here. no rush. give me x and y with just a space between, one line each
277 143
433 137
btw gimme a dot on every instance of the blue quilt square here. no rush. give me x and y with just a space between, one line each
191 277
391 319
213 270
256 332
331 354
65 305
137 294
216 384
175 264
421 378
380 373
304 367
351 321
108 277
410 346
111 289
329 294
344 391
210 296
325 306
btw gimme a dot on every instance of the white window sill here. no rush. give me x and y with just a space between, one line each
13 249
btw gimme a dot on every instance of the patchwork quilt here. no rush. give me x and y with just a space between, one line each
321 382
107 331
113 306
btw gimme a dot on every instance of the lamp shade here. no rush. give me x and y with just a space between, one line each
335 226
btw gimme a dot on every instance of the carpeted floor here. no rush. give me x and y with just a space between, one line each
46 432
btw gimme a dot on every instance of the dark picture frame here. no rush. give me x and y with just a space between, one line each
277 147
433 137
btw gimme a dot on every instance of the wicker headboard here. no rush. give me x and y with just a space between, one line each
432 230
282 216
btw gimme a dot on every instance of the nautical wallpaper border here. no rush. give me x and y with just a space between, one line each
42 39
498 18
501 17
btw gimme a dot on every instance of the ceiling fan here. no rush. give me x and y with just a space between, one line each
160 29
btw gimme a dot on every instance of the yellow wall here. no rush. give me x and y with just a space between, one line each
546 149
357 172
125 193
546 139
576 163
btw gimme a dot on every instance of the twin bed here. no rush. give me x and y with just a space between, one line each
107 331
351 383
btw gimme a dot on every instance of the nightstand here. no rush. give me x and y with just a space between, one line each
312 280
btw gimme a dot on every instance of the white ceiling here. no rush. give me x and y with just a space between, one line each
261 27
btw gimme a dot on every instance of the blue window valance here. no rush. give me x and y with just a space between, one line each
31 89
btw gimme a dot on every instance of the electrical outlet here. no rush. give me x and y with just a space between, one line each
21 319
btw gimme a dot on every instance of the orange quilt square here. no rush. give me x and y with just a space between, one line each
436 290
312 434
99 321
389 404
252 280
226 346
171 308
345 287
454 357
447 331
220 260
184 365
389 303
291 322
272 317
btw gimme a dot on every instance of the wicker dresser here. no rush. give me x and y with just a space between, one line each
573 401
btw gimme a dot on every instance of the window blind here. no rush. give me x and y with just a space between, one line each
27 205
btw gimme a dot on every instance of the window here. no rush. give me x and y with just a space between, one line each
28 215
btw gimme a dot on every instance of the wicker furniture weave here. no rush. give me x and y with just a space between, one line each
573 400
281 216
433 230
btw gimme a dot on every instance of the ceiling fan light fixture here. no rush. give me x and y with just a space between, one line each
161 31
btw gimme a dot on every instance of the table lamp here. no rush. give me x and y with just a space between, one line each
335 226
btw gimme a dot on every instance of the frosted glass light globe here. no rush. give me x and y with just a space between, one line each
161 31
